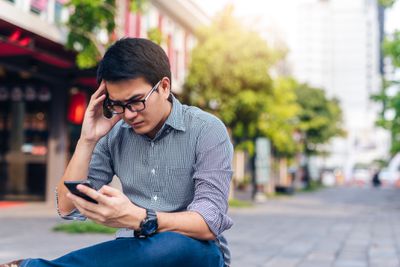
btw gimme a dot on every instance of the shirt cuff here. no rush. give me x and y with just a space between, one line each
216 221
73 215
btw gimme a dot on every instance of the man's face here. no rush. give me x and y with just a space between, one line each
157 106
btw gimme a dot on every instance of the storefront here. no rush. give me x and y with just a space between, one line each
24 131
40 88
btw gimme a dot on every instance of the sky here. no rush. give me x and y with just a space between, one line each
393 18
267 10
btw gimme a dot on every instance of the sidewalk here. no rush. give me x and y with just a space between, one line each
337 227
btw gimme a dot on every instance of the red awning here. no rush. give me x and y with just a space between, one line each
9 49
88 81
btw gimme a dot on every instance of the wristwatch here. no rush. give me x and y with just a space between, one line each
148 226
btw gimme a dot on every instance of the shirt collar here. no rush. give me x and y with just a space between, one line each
175 118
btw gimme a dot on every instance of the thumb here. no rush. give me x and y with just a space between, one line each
109 191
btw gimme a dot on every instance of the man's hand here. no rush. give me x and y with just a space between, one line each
95 125
114 209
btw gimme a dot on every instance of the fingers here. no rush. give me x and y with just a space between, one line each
109 191
100 90
98 100
93 194
99 95
82 203
83 207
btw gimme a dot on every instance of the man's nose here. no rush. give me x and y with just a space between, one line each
130 114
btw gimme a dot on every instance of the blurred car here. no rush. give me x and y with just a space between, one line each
389 176
328 177
361 176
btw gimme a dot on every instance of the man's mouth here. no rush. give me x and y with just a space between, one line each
136 124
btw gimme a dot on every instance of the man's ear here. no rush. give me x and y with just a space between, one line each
166 87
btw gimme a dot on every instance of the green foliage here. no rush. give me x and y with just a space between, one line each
229 76
84 227
138 5
394 124
91 28
87 21
88 57
155 35
391 47
279 120
387 3
236 203
390 104
320 118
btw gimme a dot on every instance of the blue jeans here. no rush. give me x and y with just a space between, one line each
163 249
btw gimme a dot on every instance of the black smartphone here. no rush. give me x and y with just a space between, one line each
106 112
71 185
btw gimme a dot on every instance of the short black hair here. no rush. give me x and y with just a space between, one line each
131 58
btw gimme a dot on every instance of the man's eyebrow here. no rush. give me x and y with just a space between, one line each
132 98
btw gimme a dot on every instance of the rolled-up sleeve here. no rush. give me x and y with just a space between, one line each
100 173
212 176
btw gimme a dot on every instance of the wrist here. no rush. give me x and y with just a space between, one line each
87 143
137 217
148 226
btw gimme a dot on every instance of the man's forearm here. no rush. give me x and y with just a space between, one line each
188 223
77 169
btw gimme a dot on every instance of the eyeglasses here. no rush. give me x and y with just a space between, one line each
132 105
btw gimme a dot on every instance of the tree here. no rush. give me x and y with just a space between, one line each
229 76
387 3
91 28
320 119
390 103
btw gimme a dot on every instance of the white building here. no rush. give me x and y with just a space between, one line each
334 45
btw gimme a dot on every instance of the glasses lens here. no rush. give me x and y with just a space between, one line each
116 109
135 106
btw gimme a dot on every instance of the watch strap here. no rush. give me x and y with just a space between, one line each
150 215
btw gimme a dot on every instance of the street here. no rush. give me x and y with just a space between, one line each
337 227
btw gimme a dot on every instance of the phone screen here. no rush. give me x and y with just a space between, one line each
71 185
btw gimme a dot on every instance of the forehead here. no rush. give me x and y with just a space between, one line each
125 89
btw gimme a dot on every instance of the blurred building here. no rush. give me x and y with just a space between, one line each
335 45
43 94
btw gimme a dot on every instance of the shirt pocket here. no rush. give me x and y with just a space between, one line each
179 186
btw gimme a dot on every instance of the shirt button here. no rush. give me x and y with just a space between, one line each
152 144
153 171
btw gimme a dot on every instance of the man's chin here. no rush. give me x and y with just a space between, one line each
139 130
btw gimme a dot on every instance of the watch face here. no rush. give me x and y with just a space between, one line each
149 227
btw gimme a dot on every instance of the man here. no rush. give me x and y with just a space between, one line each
173 160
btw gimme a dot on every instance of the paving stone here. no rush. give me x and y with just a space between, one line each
315 263
350 263
335 227
280 262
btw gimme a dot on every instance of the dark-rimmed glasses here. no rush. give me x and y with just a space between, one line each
133 105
